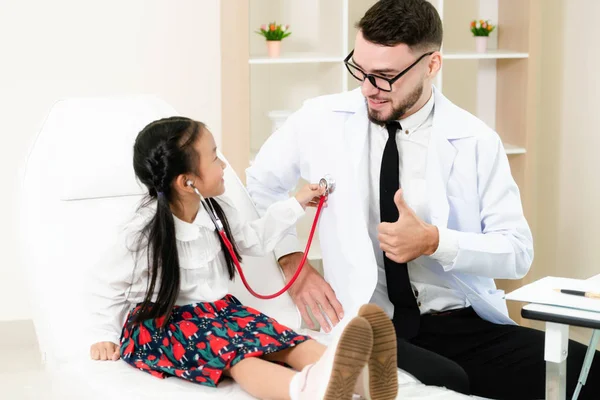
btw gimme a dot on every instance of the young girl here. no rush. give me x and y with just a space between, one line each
175 273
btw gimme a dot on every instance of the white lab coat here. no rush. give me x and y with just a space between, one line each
470 190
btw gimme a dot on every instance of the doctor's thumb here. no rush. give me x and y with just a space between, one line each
399 200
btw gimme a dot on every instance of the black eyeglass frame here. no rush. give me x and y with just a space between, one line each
371 77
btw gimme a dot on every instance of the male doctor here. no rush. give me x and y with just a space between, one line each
424 217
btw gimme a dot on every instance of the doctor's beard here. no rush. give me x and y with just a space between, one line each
398 110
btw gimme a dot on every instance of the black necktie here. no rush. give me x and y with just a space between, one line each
406 312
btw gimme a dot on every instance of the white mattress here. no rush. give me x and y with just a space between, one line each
117 380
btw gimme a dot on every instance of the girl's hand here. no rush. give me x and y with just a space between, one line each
310 195
105 351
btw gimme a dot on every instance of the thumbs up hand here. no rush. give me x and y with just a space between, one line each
409 237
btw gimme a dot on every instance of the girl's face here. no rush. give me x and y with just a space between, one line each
210 167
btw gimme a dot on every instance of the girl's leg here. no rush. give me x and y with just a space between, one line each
333 376
263 379
299 356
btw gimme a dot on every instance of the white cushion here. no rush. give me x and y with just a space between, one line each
95 138
63 237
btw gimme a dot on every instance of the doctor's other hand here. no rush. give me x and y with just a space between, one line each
105 351
311 290
409 237
310 195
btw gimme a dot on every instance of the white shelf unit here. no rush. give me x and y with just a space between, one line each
480 97
311 60
456 55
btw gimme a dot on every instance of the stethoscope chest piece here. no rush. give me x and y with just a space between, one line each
328 183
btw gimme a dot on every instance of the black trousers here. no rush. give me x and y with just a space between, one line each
467 354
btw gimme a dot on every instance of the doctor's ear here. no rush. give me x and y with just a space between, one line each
435 64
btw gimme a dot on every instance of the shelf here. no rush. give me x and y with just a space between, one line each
510 149
489 55
296 58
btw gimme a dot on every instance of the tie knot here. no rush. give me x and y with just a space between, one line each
392 127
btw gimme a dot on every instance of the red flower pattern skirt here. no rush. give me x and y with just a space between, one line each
202 340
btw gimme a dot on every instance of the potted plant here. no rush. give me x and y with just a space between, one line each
274 34
481 30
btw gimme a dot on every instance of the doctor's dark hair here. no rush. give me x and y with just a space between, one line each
415 23
163 150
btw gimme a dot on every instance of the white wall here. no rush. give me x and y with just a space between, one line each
65 48
568 187
579 143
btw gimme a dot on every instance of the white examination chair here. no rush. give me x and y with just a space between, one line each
79 187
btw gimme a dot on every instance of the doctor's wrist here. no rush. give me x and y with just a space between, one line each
289 263
432 239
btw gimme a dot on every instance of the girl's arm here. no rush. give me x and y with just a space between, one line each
110 283
258 237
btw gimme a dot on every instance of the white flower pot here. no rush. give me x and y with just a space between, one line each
481 43
274 48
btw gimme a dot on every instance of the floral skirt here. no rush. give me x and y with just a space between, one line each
202 340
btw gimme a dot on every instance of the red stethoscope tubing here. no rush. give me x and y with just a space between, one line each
298 270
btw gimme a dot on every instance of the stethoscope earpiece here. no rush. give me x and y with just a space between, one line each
207 206
190 183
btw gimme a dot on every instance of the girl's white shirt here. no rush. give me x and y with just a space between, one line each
121 280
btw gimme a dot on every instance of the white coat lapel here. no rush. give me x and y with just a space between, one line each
449 124
440 159
356 133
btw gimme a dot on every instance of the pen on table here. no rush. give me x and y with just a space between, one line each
589 295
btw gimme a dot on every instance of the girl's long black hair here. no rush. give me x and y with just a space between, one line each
163 150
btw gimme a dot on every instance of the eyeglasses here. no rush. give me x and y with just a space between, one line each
379 82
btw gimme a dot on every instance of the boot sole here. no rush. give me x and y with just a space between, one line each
383 373
352 354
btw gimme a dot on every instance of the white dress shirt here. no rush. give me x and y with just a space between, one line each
432 294
121 280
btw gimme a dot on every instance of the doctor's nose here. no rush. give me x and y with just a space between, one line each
368 89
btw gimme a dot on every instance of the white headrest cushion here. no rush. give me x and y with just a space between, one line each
94 140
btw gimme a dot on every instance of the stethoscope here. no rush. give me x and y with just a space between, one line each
326 182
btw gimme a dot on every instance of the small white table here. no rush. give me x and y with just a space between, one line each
558 320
